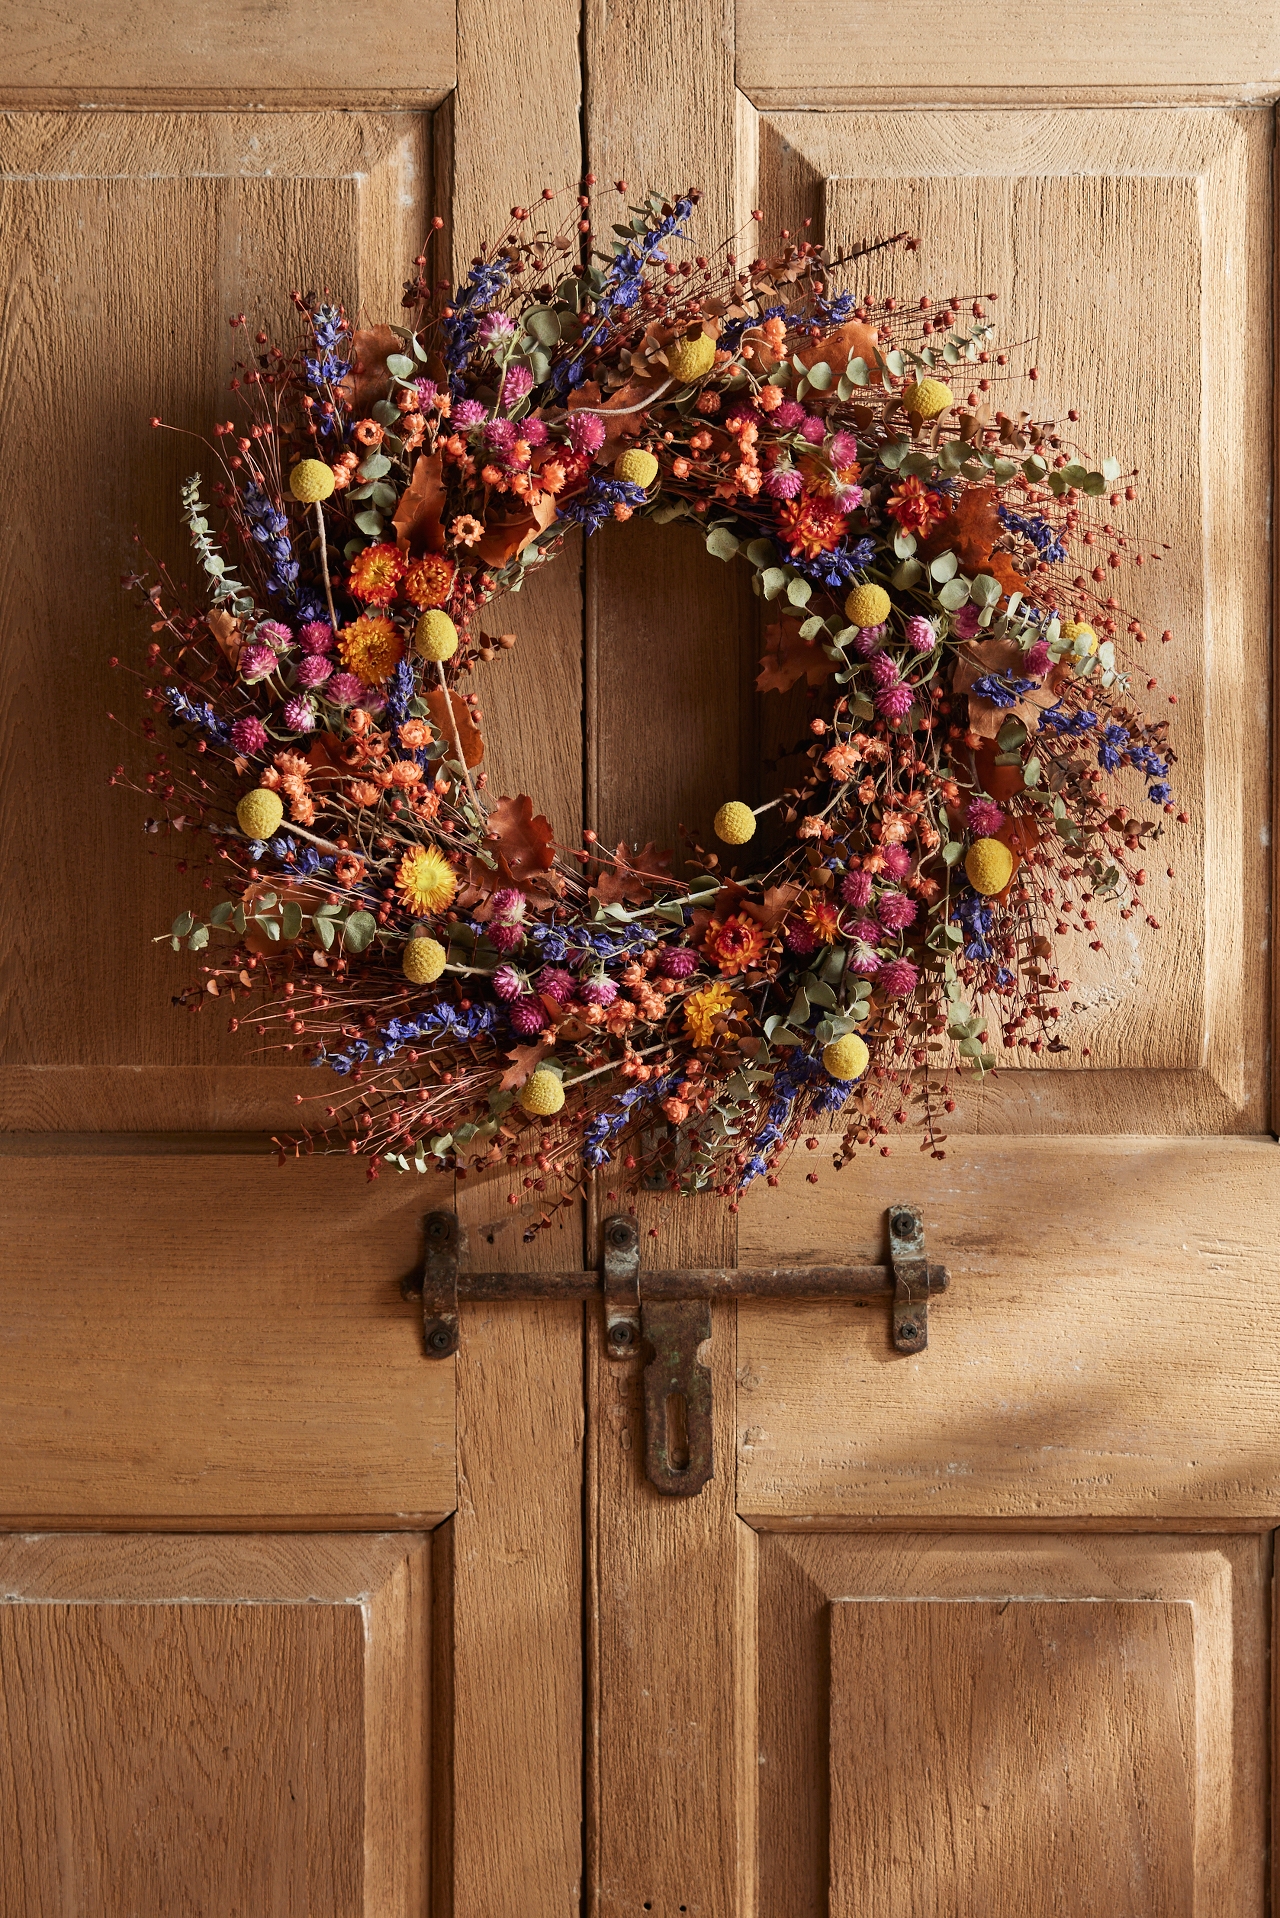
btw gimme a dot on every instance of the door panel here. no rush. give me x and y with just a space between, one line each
213 1726
961 1724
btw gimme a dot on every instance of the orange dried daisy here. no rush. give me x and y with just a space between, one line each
916 509
376 573
811 526
736 944
822 918
371 648
429 581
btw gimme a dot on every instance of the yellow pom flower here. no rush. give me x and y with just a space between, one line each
925 399
310 481
867 606
425 879
1083 638
436 636
989 864
423 961
542 1093
259 813
371 648
639 468
735 823
846 1058
691 360
702 1008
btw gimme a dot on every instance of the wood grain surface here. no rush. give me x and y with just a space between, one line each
227 53
1105 1348
205 1727
214 1336
819 53
1154 1698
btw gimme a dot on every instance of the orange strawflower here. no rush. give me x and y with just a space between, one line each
466 530
376 573
736 944
822 917
915 508
429 581
371 648
367 432
842 760
811 526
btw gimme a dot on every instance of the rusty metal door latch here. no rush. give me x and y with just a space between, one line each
668 1316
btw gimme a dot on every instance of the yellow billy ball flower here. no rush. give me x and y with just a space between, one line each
311 480
640 468
867 606
423 961
691 360
436 636
989 864
1082 637
259 813
542 1093
735 823
925 399
426 880
846 1058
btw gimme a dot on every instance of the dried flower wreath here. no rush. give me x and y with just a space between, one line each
486 997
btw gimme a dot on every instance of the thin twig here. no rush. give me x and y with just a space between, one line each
457 739
324 566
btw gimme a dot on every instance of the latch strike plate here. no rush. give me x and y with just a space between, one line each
678 1450
910 1278
621 1287
445 1246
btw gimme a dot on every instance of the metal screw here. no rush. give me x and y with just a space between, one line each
619 1233
907 1331
438 1229
621 1333
440 1341
904 1225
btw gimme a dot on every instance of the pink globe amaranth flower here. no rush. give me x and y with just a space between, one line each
863 932
800 938
896 911
983 817
516 382
557 984
314 669
527 1017
677 962
586 432
897 861
249 735
300 715
344 689
494 327
500 436
256 662
894 702
814 430
869 641
865 962
785 418
898 978
533 431
317 636
468 413
505 935
1035 660
921 637
272 632
508 903
965 625
508 983
843 449
741 409
847 498
855 889
597 990
785 482
426 391
884 669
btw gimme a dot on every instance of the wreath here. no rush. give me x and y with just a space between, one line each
476 995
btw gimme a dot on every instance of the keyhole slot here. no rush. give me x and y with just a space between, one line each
677 1432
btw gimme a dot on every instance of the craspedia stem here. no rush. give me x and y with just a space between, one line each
457 739
324 567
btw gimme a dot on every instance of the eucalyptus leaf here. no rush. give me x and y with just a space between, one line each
400 366
954 594
799 592
721 543
773 580
820 376
358 932
944 567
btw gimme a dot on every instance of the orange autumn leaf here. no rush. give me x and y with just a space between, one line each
788 658
226 631
503 539
526 1059
854 340
468 733
971 532
324 757
774 907
523 842
631 881
417 519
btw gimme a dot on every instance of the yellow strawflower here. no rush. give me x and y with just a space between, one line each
425 879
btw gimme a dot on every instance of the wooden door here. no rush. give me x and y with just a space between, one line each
293 1621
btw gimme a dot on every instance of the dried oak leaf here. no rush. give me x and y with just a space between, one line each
788 658
774 907
979 657
854 340
366 379
628 882
418 518
327 766
226 631
971 532
524 844
468 733
526 1059
504 538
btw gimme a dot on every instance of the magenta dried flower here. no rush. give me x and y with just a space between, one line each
300 715
920 634
983 817
894 702
896 911
557 984
508 983
813 429
799 938
884 670
516 382
897 861
249 735
586 432
527 1017
271 632
843 449
344 689
500 436
493 328
508 903
1035 660
785 418
314 669
898 978
966 624
785 482
597 990
863 932
425 391
855 889
316 636
505 935
534 432
869 641
677 962
256 662
468 413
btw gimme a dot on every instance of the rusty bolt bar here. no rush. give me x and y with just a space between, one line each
811 1282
